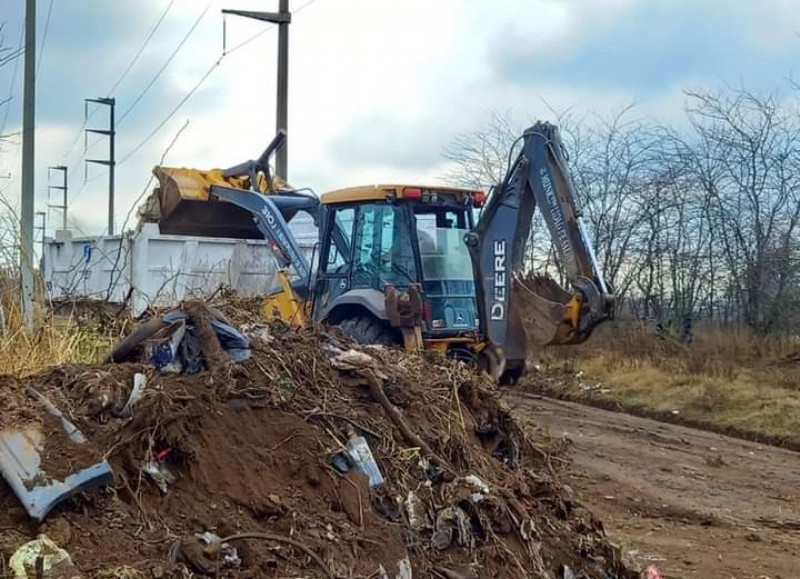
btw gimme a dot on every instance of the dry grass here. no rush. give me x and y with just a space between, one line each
728 378
55 340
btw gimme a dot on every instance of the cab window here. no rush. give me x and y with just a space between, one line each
383 247
341 228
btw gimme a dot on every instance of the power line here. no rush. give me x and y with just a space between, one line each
86 182
146 189
14 54
172 113
165 65
13 82
44 38
115 85
141 48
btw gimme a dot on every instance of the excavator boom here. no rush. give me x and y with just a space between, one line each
513 307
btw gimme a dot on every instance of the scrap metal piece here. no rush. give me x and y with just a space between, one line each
21 464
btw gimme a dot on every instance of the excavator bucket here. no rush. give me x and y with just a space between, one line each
548 312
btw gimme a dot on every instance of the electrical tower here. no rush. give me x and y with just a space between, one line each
111 162
63 188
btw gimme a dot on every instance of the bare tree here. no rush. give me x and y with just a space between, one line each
746 159
700 222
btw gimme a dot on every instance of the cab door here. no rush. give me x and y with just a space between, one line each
336 256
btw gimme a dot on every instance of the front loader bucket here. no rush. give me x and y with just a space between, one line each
46 464
545 310
188 208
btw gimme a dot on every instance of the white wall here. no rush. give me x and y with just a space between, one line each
160 269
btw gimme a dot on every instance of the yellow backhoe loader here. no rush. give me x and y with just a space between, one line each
428 267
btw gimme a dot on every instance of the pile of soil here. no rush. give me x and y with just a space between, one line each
254 454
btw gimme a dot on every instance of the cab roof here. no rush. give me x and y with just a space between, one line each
380 192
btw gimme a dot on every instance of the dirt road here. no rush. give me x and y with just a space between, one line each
695 503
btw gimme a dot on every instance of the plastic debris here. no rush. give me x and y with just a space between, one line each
229 557
415 510
205 553
404 569
159 471
32 481
139 385
176 348
23 561
354 360
567 573
234 342
477 483
162 349
652 572
452 525
340 461
362 457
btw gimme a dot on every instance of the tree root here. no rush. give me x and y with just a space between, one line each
270 537
377 392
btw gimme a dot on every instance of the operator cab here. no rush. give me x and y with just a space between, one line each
399 234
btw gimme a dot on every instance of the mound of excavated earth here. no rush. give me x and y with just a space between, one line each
243 470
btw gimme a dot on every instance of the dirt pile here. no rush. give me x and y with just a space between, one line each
242 471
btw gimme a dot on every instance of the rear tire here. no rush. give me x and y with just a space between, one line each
367 329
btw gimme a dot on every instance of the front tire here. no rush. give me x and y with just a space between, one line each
367 329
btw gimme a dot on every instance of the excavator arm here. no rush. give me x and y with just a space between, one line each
513 307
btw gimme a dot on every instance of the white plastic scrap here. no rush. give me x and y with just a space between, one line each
477 483
354 360
23 561
415 511
404 569
139 384
160 473
229 557
361 455
257 332
481 487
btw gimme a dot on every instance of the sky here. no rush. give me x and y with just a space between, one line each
377 88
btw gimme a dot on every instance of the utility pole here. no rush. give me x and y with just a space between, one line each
42 228
111 161
282 18
28 190
62 188
282 114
